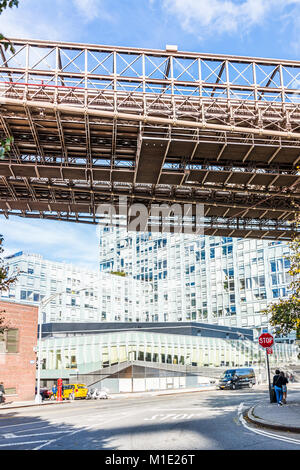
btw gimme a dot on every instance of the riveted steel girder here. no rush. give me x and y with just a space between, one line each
94 123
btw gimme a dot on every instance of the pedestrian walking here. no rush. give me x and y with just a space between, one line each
277 384
284 387
2 393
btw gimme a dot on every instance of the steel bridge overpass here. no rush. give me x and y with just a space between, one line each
92 123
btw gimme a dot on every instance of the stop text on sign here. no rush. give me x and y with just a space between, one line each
266 340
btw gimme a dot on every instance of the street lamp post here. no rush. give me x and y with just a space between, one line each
38 398
187 364
131 357
43 303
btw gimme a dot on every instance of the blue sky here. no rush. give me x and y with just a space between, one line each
267 28
261 28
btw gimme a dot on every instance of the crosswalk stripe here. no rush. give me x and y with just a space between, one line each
21 443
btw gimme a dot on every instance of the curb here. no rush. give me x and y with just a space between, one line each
267 424
12 407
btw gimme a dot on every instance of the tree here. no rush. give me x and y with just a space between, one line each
285 314
3 5
3 321
5 144
118 273
5 282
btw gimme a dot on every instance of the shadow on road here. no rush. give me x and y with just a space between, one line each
212 421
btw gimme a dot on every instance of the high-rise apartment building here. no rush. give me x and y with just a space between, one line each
160 277
226 281
77 294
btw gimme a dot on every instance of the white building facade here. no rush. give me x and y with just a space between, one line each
78 294
159 278
89 357
226 281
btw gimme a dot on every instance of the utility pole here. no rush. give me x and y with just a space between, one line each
269 379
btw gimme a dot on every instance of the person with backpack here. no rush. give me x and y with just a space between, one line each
277 384
2 393
284 387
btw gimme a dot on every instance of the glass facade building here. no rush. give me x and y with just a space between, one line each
159 278
69 354
226 281
78 294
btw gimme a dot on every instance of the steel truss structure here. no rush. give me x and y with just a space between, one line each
92 123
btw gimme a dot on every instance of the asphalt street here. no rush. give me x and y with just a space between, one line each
210 420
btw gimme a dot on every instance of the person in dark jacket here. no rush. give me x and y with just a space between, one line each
277 384
284 387
2 393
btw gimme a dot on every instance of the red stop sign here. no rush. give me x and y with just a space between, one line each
266 340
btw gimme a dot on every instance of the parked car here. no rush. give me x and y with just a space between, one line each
237 378
45 393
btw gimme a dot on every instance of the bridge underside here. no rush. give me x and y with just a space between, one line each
75 148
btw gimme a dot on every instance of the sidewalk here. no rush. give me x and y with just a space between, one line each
23 404
282 418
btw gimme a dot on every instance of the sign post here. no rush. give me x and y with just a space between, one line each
266 341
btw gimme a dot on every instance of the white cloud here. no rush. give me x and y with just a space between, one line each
92 9
216 17
56 20
60 241
89 9
30 22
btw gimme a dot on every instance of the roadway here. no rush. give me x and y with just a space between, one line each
206 420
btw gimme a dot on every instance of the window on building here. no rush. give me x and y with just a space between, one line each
9 341
23 294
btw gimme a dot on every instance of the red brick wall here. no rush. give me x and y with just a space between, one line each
16 370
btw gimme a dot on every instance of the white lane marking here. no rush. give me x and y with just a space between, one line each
47 442
173 416
265 433
14 436
20 424
20 443
86 428
56 428
176 409
240 408
52 422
